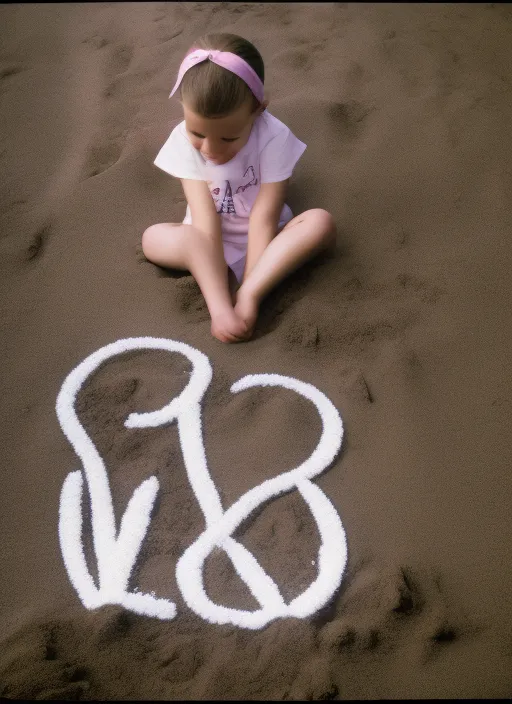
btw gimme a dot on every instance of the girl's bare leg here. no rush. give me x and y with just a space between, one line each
233 285
185 247
301 239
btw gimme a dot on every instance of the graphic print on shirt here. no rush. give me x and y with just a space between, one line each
228 205
214 193
252 182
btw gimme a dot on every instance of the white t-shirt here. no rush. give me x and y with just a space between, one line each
270 155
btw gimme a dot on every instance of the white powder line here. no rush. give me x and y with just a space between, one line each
117 552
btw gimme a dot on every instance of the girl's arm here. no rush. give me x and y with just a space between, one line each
206 262
202 208
264 221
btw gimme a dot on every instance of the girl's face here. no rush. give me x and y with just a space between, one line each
219 139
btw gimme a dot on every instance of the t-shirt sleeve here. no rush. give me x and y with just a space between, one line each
179 158
279 156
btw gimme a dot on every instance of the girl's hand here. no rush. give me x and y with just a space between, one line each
228 326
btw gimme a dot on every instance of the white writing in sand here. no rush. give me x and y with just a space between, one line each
117 550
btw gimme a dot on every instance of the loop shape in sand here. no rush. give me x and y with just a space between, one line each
117 553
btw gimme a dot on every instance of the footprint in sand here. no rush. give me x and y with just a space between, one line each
382 608
107 142
120 58
296 59
343 117
348 118
370 315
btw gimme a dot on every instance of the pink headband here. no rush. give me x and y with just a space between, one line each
227 60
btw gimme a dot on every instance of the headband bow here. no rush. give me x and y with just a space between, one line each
227 60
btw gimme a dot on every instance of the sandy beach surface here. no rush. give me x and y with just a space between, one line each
406 110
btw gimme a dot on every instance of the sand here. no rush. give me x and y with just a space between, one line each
407 113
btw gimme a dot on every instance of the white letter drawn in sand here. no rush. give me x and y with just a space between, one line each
117 551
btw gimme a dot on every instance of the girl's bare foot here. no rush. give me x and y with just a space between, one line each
246 307
228 326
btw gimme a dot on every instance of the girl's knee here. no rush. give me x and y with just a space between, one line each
167 245
153 239
325 227
148 241
324 218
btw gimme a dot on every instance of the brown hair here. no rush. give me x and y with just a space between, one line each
212 91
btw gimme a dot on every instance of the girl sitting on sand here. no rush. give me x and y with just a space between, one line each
234 159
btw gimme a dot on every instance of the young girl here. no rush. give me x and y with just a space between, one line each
234 160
